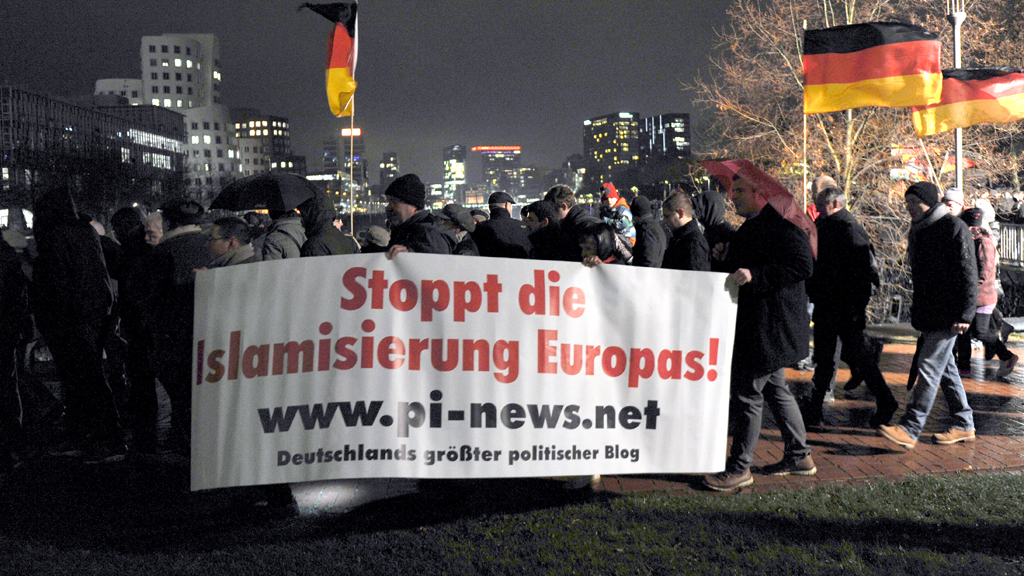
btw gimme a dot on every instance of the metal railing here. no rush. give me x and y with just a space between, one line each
1011 245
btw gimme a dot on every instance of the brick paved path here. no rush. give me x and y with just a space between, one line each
845 449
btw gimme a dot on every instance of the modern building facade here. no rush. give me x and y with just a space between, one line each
454 171
666 135
610 143
130 88
109 156
502 168
388 169
264 143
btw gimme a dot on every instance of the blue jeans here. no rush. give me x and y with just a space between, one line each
937 369
748 398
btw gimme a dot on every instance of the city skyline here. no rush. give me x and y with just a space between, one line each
430 76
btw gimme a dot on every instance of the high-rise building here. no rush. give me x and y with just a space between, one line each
502 168
667 135
610 143
108 152
388 169
343 160
268 137
454 171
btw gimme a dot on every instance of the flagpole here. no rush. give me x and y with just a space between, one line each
956 13
351 165
805 148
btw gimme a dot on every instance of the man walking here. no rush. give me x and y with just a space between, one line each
771 258
840 289
944 272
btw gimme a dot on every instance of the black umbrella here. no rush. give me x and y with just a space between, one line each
271 191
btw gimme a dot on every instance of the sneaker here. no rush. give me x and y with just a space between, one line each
964 371
803 467
954 435
1006 367
727 481
898 435
829 398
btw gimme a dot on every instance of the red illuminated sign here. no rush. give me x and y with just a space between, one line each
496 148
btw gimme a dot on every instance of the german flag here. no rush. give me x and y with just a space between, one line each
972 96
885 64
341 54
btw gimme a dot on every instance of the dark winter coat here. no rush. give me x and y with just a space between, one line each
322 238
424 233
709 209
15 323
467 246
284 238
772 325
649 250
172 281
502 236
944 271
572 228
546 242
687 249
844 271
70 284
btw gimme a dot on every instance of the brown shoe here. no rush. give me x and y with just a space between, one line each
803 467
727 481
954 435
898 435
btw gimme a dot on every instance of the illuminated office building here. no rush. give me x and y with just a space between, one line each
502 168
454 171
667 135
264 143
388 169
610 143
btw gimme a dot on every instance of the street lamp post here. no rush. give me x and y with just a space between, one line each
956 13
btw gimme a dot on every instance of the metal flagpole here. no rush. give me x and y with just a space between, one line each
805 148
956 13
351 164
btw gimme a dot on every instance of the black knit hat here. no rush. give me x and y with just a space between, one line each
408 189
972 216
640 207
926 191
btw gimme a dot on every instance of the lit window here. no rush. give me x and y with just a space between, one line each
179 104
265 133
207 139
263 124
177 62
155 101
188 64
237 125
167 102
231 153
216 74
195 139
164 63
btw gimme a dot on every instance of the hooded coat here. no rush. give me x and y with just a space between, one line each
70 284
322 238
709 209
284 238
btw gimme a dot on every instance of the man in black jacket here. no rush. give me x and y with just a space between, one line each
649 249
501 235
687 247
413 228
771 258
840 289
573 221
944 271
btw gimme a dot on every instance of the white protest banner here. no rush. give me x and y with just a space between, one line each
432 366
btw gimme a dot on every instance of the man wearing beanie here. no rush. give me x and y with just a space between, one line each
944 273
953 198
413 229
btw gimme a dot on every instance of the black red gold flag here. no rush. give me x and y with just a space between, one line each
887 64
341 54
973 96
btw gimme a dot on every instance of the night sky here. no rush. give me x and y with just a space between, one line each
431 73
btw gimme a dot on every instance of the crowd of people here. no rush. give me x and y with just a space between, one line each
117 313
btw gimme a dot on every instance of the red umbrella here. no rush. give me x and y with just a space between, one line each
778 196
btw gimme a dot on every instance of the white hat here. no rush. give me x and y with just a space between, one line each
954 195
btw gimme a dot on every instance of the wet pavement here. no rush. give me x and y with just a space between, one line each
845 449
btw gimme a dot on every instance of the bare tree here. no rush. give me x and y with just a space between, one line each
754 90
